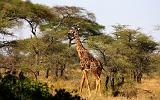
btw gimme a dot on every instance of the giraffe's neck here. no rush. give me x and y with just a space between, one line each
78 42
79 47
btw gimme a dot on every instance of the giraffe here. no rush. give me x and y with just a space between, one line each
87 62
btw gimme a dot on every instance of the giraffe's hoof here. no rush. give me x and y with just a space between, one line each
100 94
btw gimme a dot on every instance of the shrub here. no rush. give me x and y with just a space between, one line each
14 88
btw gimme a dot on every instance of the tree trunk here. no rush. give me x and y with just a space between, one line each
106 82
139 77
70 42
36 62
121 81
112 83
56 71
62 70
134 76
21 76
47 72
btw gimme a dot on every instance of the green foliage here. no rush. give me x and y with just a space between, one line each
127 54
69 16
14 88
98 40
12 14
17 89
145 44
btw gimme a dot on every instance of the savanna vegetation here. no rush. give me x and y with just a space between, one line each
45 66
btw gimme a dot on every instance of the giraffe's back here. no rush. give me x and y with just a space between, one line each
96 67
92 64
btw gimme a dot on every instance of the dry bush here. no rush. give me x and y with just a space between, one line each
149 89
129 91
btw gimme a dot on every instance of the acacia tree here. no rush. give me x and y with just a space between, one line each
116 64
53 55
141 48
69 16
146 48
43 17
127 54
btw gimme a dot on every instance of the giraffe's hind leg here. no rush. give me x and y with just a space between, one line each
98 84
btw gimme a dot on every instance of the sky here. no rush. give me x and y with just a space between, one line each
136 13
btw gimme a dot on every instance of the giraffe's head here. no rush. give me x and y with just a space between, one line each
73 32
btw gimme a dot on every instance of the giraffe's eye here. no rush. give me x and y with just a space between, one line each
70 35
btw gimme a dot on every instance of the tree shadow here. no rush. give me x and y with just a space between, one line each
62 94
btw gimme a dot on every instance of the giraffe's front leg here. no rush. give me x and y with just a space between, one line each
82 82
86 77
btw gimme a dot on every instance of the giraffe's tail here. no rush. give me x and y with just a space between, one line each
104 69
102 66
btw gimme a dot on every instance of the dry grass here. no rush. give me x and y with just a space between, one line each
149 89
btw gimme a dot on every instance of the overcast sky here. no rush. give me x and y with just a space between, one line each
137 13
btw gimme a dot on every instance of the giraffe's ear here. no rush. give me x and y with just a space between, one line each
78 29
72 27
